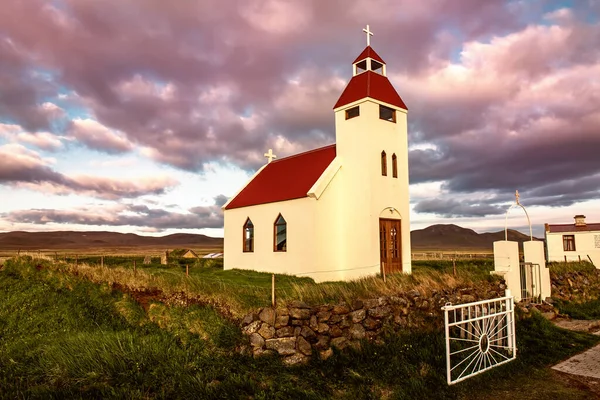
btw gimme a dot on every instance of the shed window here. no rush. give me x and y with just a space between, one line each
248 236
353 112
280 234
394 166
386 113
569 242
383 164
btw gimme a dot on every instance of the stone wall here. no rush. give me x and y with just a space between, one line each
297 331
576 285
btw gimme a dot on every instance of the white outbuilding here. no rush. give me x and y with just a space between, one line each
574 242
339 212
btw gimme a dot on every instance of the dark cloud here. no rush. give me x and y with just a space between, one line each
453 208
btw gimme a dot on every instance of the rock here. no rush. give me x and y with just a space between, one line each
322 342
248 319
303 346
313 322
252 327
297 322
371 323
307 332
281 321
549 315
346 322
358 315
382 301
357 331
295 359
335 331
380 312
283 346
282 311
335 319
257 340
325 354
371 303
298 304
300 313
322 328
286 331
323 316
399 301
357 304
467 298
267 315
341 308
266 331
339 343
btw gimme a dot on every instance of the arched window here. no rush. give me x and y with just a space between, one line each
280 234
394 166
248 236
383 164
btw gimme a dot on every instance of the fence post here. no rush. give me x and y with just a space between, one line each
273 290
454 266
101 261
187 270
76 259
383 271
509 325
134 267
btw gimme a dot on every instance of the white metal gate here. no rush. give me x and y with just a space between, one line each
531 282
479 336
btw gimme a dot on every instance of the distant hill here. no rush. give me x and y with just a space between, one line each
453 237
435 237
79 240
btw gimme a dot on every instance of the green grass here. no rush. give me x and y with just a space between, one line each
589 310
571 266
62 336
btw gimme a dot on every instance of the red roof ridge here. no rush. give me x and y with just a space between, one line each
303 153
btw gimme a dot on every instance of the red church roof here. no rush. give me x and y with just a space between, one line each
285 179
564 228
368 52
373 85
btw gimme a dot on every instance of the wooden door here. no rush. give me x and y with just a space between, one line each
390 245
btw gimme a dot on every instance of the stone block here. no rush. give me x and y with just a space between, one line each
296 359
286 331
267 315
340 309
313 322
339 343
380 312
256 340
307 332
335 331
298 304
325 354
322 342
357 331
303 346
322 328
299 313
283 346
252 327
357 305
248 319
266 331
281 321
323 316
358 315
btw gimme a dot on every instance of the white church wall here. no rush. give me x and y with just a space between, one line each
299 216
507 265
533 252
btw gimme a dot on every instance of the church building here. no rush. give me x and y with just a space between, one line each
339 212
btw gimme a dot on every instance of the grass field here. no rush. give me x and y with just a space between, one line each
62 336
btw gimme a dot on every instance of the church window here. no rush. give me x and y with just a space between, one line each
394 166
386 113
353 112
569 242
280 234
248 236
383 163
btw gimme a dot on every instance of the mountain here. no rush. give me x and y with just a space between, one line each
435 237
79 240
453 237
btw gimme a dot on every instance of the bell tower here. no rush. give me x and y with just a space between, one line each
372 144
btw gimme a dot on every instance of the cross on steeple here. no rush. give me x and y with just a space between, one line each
270 155
369 34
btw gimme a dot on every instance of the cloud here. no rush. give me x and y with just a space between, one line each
453 208
25 168
98 137
152 219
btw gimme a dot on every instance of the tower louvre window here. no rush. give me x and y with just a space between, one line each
394 166
248 236
353 112
377 67
383 164
386 113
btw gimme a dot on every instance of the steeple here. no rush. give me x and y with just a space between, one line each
369 79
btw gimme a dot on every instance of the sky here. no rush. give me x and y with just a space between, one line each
145 116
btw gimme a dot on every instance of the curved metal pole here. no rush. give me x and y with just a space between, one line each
506 221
